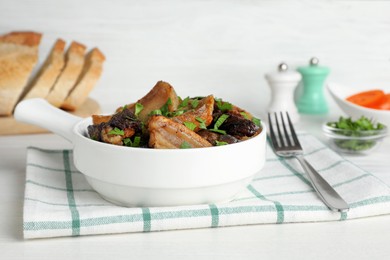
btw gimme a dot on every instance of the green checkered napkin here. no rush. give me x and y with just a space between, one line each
59 201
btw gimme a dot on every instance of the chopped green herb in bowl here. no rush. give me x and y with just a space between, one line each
354 136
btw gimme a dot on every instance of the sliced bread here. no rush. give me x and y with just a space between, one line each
44 80
74 62
87 80
18 56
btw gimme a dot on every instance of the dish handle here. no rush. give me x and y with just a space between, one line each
39 112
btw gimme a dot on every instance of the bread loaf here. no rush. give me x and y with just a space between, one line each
18 56
65 80
87 80
48 73
74 62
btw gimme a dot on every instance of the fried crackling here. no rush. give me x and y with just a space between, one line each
203 111
155 99
167 134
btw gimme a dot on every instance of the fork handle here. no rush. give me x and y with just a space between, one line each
326 192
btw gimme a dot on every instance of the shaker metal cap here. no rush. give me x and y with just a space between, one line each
314 68
283 74
283 67
314 61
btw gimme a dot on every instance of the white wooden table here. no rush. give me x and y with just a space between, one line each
354 239
206 47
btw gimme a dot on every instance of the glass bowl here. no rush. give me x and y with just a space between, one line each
353 141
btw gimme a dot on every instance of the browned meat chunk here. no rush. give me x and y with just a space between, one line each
237 125
213 137
98 119
163 120
165 133
120 126
109 135
202 113
157 97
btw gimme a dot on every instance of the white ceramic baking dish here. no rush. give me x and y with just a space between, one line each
152 177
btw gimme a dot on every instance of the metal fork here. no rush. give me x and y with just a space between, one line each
292 148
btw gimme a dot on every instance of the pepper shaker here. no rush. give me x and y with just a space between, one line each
283 84
313 100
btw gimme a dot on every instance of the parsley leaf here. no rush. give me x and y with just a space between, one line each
135 143
116 131
155 112
190 125
245 115
194 103
223 132
184 103
127 142
217 143
362 124
256 121
175 113
185 145
222 105
138 108
165 108
202 123
220 121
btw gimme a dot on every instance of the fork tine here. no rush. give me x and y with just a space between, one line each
285 130
279 132
293 134
272 133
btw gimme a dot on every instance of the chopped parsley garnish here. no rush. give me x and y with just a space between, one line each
256 121
190 125
202 123
245 115
183 103
165 108
194 103
135 143
155 112
222 105
127 141
222 132
362 124
218 143
116 131
185 145
218 124
220 120
138 108
175 113
357 129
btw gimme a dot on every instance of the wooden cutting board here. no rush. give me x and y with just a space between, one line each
9 126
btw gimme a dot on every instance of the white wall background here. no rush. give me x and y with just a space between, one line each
211 46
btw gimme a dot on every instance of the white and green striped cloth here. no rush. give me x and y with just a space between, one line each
59 201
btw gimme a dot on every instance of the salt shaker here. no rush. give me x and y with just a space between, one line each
283 84
313 100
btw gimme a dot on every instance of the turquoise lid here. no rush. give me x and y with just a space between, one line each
314 69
